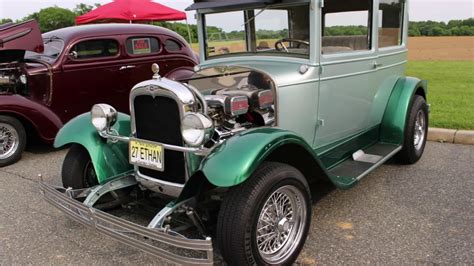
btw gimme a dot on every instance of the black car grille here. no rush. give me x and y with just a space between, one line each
158 119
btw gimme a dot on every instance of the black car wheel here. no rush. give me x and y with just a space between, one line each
416 132
78 170
265 221
12 140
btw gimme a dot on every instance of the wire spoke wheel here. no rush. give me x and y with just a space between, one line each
420 130
280 224
9 140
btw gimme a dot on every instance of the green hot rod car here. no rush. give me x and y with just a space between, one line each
288 92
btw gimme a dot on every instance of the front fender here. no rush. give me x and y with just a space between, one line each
236 159
394 120
109 159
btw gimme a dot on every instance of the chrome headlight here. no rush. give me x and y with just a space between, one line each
196 129
104 116
23 79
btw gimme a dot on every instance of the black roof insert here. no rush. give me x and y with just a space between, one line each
206 4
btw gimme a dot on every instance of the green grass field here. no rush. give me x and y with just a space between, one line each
450 91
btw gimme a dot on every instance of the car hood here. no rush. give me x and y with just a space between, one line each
16 39
283 71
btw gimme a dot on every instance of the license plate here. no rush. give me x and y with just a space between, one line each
146 154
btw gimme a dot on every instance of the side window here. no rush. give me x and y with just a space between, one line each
95 49
172 45
346 26
390 23
142 45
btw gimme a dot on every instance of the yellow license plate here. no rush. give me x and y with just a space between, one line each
146 154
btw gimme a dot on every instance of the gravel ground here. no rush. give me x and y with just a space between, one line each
422 213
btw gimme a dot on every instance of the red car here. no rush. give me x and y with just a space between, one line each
47 80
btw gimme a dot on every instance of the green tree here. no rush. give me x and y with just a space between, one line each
52 18
82 8
5 20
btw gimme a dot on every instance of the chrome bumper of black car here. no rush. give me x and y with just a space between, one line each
158 242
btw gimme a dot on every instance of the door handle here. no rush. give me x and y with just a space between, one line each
126 67
377 65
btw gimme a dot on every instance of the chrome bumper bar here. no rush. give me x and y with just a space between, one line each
114 136
158 242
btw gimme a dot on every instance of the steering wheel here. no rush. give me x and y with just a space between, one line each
279 46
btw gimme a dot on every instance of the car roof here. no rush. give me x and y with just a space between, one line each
91 30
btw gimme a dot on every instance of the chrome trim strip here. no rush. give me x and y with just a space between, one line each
379 163
391 53
328 63
130 233
15 36
392 65
349 75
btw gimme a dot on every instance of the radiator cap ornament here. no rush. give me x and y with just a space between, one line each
155 68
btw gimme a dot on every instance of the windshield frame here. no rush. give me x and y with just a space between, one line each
43 56
203 44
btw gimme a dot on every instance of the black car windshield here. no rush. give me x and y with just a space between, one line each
52 49
274 30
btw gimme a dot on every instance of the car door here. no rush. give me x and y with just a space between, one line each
91 74
392 53
347 61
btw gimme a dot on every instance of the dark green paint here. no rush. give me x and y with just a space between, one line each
236 159
394 120
109 159
338 152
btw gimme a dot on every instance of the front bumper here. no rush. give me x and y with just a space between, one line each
159 242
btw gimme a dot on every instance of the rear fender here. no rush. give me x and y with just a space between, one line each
45 121
109 159
234 161
395 117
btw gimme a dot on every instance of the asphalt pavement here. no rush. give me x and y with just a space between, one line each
418 214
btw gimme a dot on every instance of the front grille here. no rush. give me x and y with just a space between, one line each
158 119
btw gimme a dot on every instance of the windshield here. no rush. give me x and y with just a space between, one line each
52 49
282 31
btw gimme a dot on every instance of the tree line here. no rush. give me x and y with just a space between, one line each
433 28
52 18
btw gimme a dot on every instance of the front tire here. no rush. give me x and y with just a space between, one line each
78 171
265 221
416 132
12 140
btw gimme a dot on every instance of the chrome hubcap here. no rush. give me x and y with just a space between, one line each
280 224
419 132
8 140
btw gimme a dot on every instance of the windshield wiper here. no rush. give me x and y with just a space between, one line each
52 38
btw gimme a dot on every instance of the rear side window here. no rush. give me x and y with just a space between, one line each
172 45
390 23
142 45
346 27
95 49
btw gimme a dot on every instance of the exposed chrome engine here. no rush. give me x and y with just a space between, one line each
11 79
187 120
239 109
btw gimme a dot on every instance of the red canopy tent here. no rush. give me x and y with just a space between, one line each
131 11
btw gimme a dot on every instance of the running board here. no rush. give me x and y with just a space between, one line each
363 162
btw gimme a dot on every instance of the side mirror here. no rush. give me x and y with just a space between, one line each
73 54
